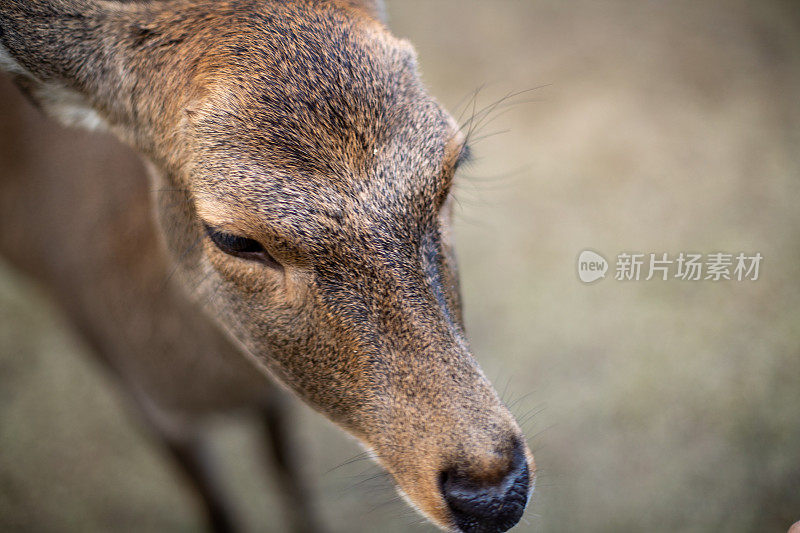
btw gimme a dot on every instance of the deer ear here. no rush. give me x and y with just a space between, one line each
376 8
68 55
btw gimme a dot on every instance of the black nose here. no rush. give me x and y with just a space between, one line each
494 507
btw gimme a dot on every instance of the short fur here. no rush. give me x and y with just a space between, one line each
301 125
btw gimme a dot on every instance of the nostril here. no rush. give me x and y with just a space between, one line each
480 507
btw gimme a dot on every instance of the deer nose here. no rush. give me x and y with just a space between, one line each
478 506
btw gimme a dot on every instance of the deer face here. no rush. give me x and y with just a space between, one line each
314 175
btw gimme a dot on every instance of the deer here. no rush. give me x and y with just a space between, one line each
292 233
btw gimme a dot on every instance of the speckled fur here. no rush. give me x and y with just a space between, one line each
302 125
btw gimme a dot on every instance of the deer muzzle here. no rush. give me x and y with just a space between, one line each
454 449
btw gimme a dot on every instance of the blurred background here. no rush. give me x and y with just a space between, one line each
648 126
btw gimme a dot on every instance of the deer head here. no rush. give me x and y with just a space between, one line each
309 213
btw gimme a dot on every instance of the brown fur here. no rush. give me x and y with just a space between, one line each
301 125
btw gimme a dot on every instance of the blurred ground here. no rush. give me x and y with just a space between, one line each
650 406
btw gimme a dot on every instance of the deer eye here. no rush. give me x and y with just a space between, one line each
241 247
